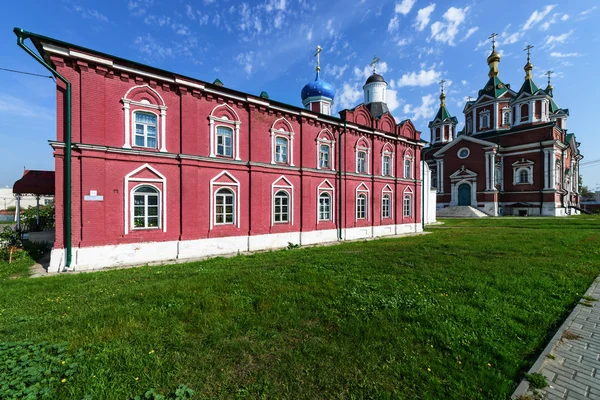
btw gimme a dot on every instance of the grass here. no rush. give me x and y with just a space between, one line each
460 313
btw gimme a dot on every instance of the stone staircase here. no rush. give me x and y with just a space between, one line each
460 212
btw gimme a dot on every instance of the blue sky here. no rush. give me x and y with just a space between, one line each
269 45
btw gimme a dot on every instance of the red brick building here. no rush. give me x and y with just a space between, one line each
170 167
514 155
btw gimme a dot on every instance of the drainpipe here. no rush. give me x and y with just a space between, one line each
422 192
21 36
340 165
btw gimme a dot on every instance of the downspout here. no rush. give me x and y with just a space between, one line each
422 192
340 165
21 36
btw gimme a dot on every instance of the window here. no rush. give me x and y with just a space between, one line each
47 202
463 153
406 209
361 206
324 207
385 206
386 166
361 162
146 208
434 182
498 175
281 150
224 141
224 206
145 129
469 126
282 210
524 112
506 117
324 157
524 176
407 168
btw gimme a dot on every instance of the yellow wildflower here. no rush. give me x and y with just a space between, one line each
63 380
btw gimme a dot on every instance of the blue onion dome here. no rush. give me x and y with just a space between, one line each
318 88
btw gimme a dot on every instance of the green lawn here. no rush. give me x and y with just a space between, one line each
459 313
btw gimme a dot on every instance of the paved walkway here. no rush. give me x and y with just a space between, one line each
574 370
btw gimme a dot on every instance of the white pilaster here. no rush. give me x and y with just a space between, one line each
237 141
127 144
211 139
495 125
163 130
546 170
552 182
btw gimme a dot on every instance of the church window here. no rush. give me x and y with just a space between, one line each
434 182
361 206
558 174
324 158
463 153
484 119
386 171
146 207
224 141
524 112
324 207
361 162
224 207
524 176
407 205
146 129
386 206
498 175
281 150
281 206
506 117
469 126
408 167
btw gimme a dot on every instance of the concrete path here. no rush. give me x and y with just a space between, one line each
571 361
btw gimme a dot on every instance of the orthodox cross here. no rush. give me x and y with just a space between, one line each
493 37
442 84
468 98
317 54
528 50
548 75
374 63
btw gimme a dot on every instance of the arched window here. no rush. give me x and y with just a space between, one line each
498 175
469 126
506 117
485 121
324 207
408 167
282 208
224 141
524 176
324 156
145 129
386 206
361 206
281 150
524 112
434 182
146 208
437 134
224 207
407 206
558 174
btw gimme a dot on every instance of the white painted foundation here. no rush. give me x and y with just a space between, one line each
98 257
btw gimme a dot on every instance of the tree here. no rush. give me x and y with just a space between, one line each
583 189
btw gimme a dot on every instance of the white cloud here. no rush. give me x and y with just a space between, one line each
470 32
555 17
586 12
552 41
563 55
423 17
394 24
349 96
445 32
404 7
464 83
276 5
480 44
421 78
512 38
537 16
309 35
245 60
392 100
91 14
139 7
337 70
425 110
367 71
403 42
150 47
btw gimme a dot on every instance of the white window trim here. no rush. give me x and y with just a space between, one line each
387 190
408 193
161 122
224 121
232 140
387 153
484 113
133 123
213 194
287 186
132 213
235 200
287 134
517 170
408 157
461 149
331 144
163 198
367 150
506 111
362 189
327 187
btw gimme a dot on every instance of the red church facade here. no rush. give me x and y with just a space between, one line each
167 167
514 155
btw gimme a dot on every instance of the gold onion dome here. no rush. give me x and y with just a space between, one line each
442 99
493 57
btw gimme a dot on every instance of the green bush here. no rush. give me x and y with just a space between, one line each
29 220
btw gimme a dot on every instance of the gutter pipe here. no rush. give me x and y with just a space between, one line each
340 217
21 36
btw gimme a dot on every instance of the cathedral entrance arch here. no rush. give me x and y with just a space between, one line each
464 194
